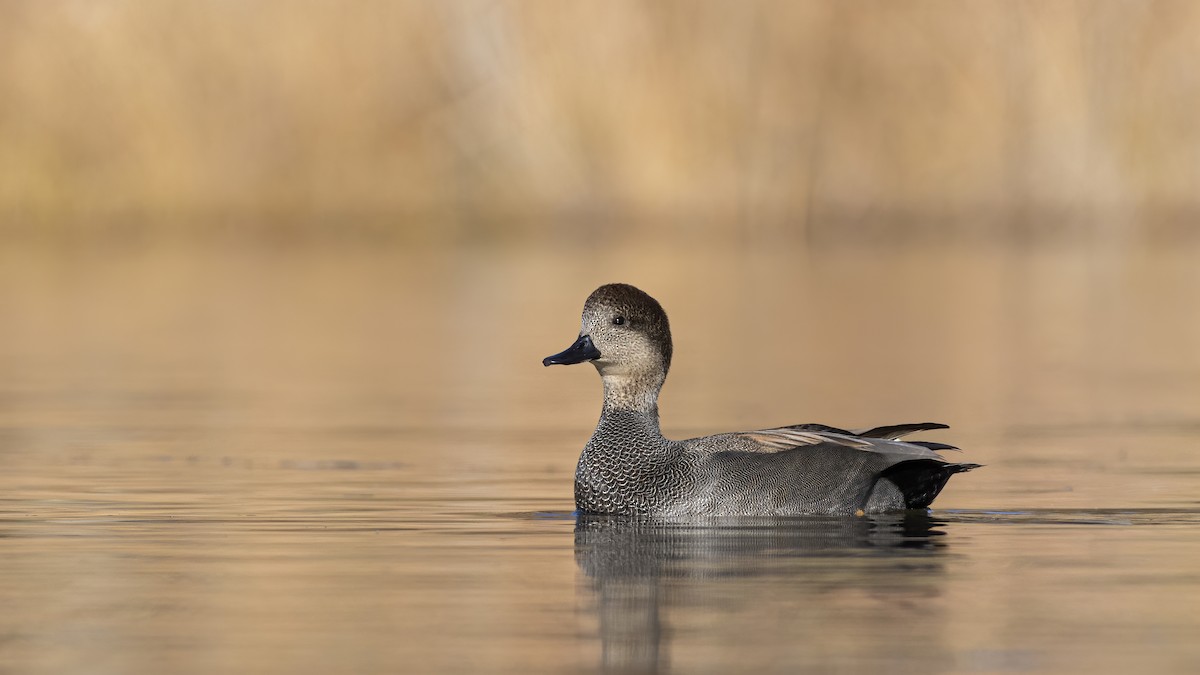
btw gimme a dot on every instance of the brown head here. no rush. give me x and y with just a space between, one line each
626 335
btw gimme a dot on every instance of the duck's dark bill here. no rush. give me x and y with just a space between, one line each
582 350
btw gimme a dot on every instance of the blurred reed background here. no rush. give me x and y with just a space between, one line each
493 121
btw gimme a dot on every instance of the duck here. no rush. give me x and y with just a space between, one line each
628 468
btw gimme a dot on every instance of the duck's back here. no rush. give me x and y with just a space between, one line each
732 478
793 471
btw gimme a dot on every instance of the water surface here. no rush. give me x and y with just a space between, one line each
350 460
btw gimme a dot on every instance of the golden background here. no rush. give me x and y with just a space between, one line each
464 121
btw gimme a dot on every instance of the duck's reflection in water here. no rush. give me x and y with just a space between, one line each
639 571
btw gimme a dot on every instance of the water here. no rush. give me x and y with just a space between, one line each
349 459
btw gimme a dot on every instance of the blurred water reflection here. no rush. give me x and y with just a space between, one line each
895 559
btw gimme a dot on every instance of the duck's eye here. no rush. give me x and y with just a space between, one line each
618 321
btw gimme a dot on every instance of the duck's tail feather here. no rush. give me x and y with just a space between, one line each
934 445
895 431
920 480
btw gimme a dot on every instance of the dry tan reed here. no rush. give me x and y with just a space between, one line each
503 119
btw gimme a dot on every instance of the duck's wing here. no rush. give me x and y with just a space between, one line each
891 432
799 436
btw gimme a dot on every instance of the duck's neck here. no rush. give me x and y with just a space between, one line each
630 408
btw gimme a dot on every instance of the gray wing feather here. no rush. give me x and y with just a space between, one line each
788 438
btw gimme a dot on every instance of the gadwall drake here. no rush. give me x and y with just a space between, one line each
628 467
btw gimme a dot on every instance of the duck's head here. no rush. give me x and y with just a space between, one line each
625 334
